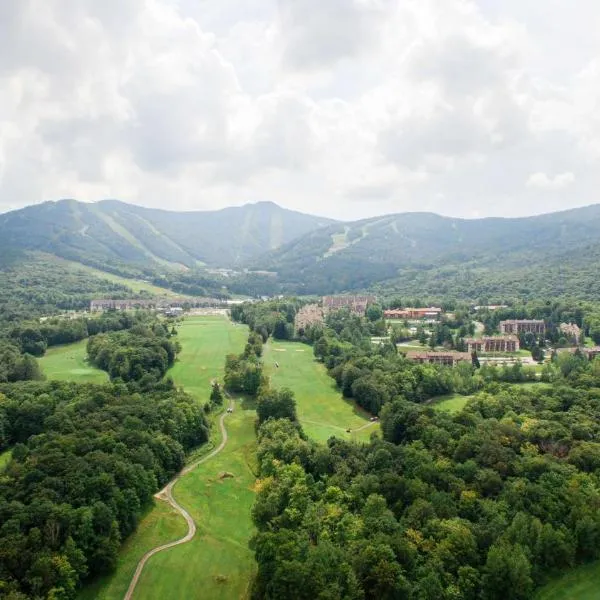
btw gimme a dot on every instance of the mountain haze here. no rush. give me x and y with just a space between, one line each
113 232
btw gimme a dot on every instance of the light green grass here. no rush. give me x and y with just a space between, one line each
322 410
5 458
217 563
135 285
451 403
69 363
205 342
581 583
160 525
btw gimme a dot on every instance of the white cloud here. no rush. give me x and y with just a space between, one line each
347 107
545 182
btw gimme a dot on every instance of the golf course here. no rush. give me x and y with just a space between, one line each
69 363
322 410
580 583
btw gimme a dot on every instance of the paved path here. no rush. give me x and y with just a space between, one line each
166 494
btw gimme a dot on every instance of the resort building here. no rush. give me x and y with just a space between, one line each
413 313
127 304
518 326
356 304
505 343
439 358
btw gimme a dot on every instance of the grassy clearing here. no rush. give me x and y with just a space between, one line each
451 403
160 525
322 410
135 285
217 563
69 363
581 583
205 342
5 458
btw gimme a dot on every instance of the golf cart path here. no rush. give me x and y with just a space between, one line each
166 494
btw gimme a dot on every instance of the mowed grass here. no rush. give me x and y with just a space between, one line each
69 363
581 583
217 563
205 342
322 410
451 403
160 525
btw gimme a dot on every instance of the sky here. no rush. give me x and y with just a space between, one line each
342 108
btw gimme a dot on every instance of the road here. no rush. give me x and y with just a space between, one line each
166 494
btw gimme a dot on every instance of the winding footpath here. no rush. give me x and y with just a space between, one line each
166 494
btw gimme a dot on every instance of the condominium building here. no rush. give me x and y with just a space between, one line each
504 343
439 358
356 304
518 326
571 331
431 312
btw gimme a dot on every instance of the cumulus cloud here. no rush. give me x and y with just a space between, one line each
347 108
545 182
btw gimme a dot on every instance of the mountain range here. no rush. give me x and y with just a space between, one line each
411 253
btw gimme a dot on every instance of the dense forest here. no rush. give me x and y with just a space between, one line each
485 504
86 460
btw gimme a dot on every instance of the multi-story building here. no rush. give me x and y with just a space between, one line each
413 313
439 358
518 326
504 343
356 304
126 304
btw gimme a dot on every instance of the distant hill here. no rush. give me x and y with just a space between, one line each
112 233
423 253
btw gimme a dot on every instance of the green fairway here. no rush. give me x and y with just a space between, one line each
581 583
161 524
69 363
321 408
217 563
205 342
451 403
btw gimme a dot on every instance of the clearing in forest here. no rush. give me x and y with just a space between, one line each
69 363
322 410
580 583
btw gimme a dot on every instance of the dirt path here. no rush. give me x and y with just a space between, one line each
166 494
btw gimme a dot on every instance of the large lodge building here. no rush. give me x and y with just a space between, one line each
504 343
356 304
439 358
518 326
413 313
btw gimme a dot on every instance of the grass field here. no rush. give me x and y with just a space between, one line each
451 403
321 408
205 342
69 363
581 583
217 563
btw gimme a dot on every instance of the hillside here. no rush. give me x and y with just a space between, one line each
111 234
422 253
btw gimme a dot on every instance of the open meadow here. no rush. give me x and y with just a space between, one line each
69 363
322 410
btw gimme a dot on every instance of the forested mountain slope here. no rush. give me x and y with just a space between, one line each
112 232
427 249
